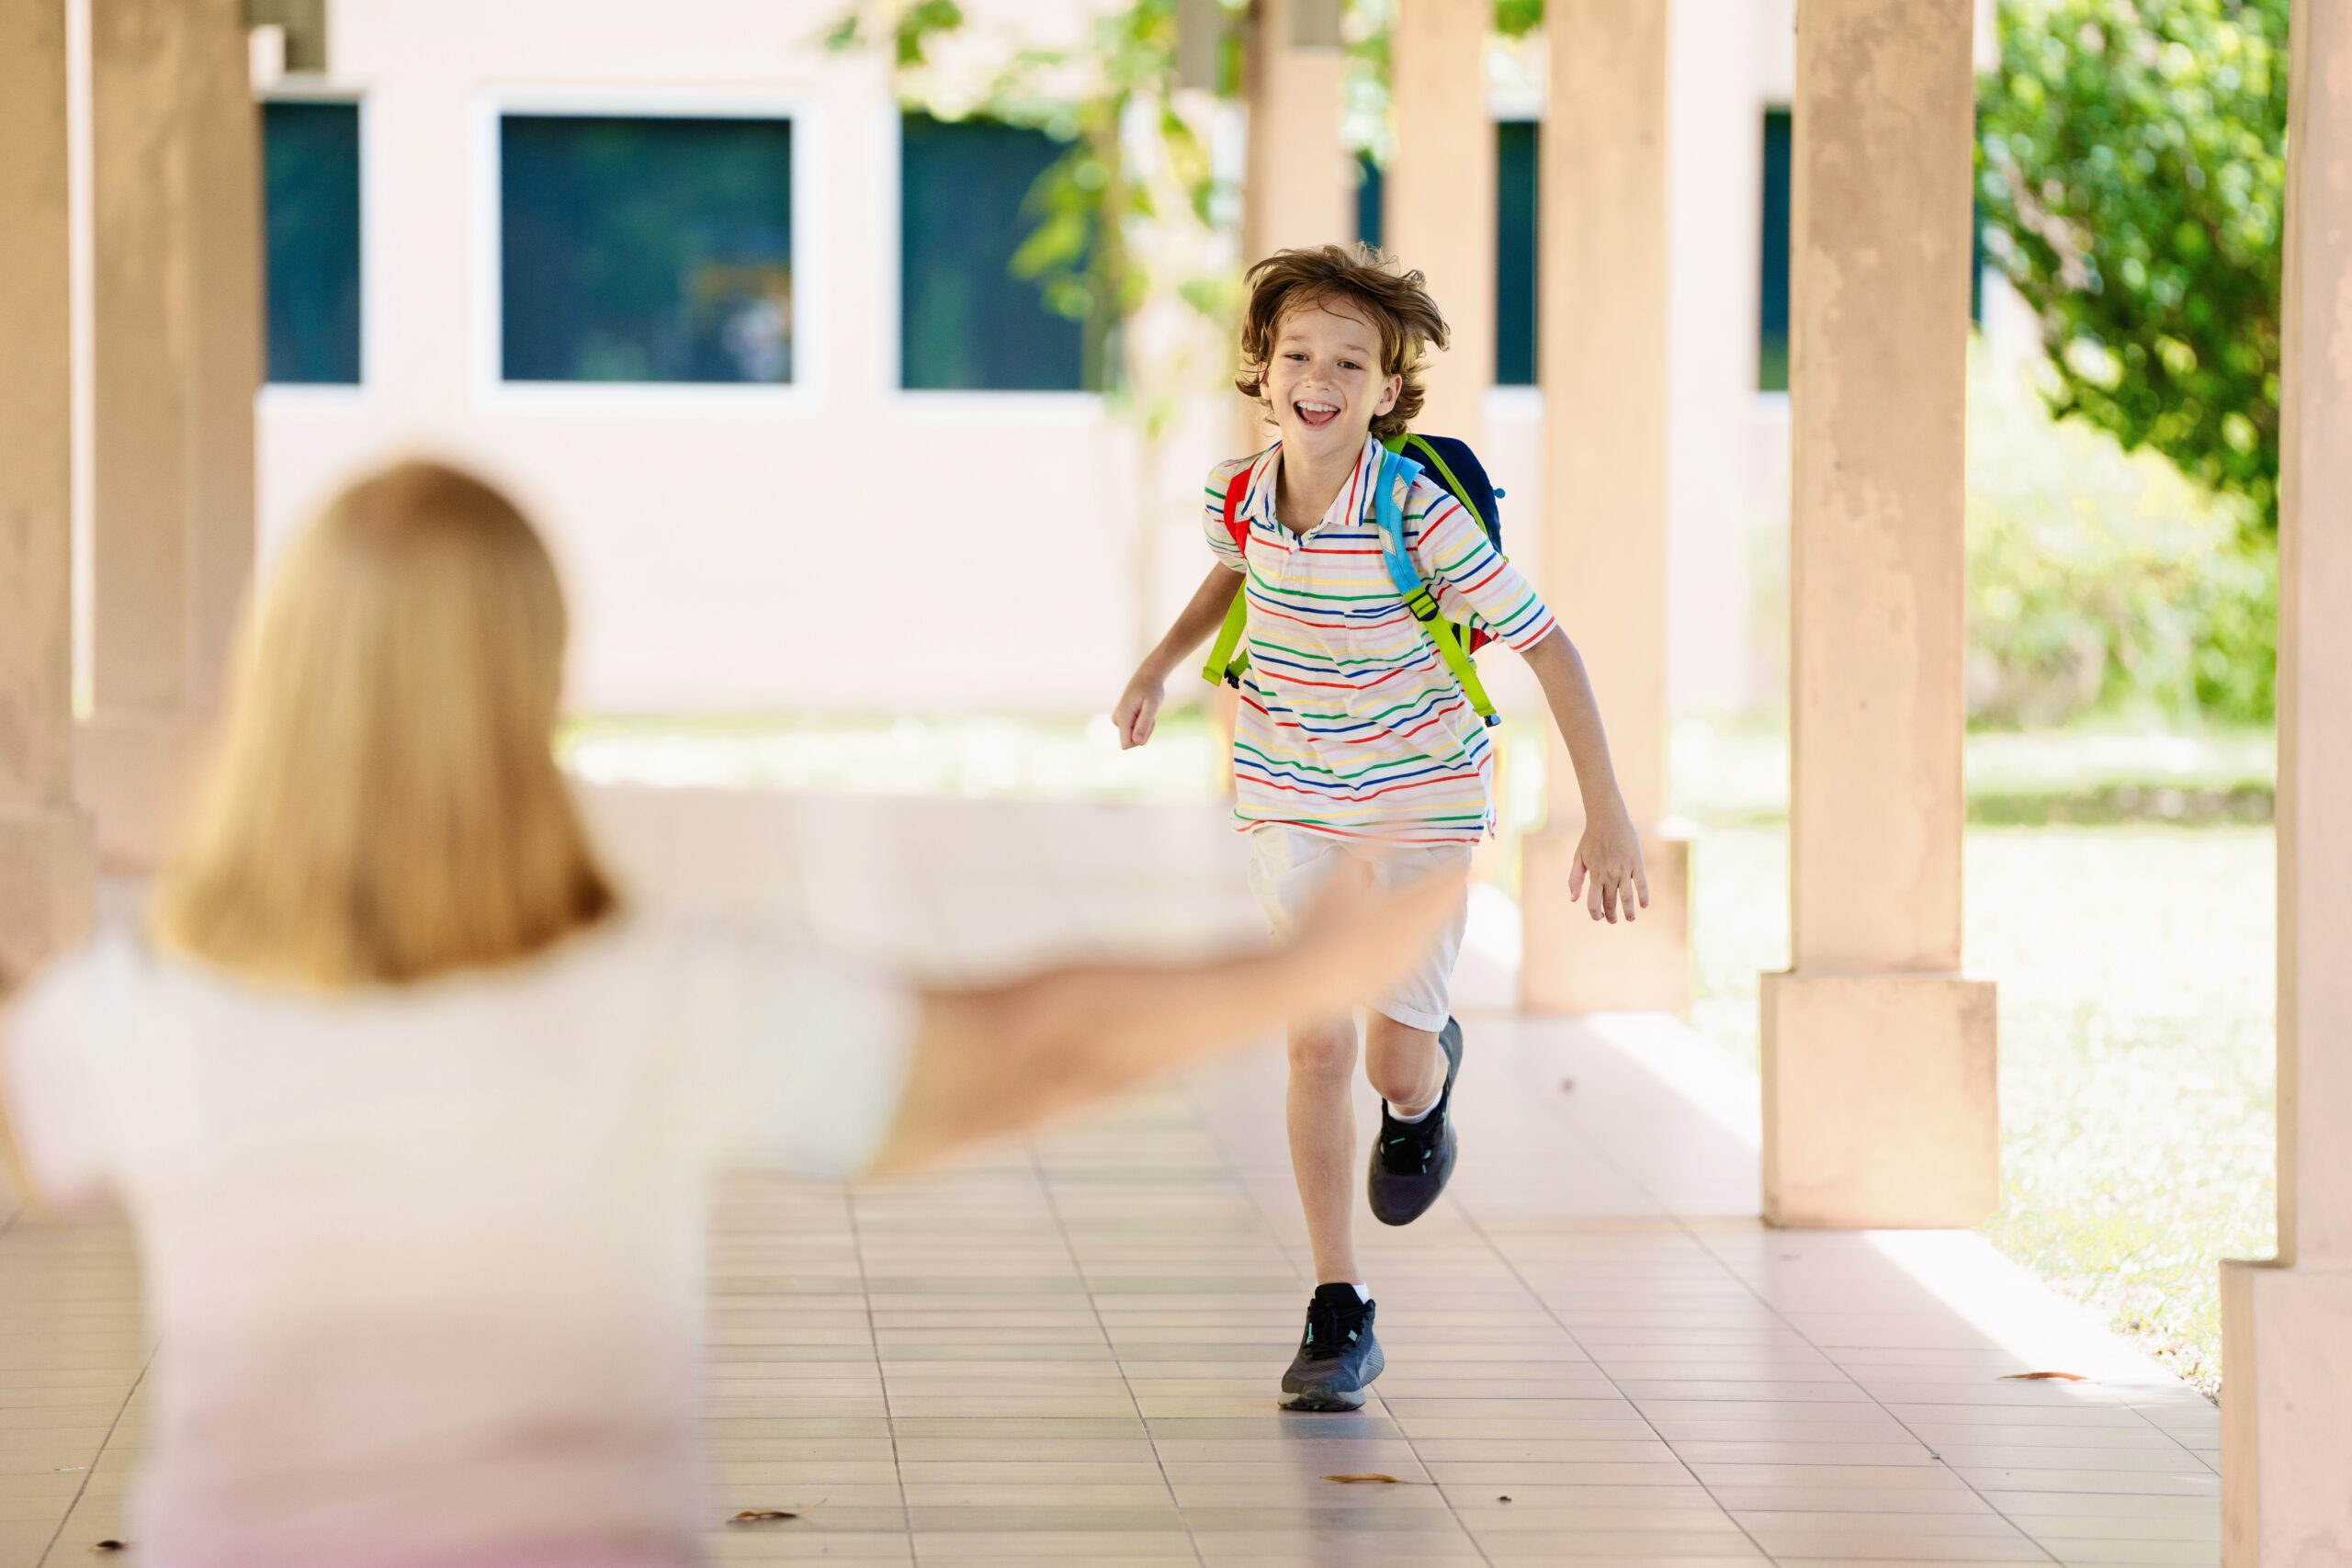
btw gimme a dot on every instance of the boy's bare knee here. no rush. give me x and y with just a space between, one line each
1325 1050
1400 1061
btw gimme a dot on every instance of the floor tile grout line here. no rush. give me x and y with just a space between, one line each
1266 1220
1551 1313
1682 1223
881 1373
1876 1403
1565 1117
100 1458
1061 1229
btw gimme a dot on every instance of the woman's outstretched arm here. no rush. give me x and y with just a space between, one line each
1000 1058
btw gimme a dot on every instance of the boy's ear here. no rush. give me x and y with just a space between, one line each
1389 395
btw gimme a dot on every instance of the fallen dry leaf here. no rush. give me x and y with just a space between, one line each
761 1516
2043 1377
1372 1479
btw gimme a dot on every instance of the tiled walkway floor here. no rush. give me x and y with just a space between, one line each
1065 1353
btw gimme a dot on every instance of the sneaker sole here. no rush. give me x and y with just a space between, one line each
1331 1403
1325 1398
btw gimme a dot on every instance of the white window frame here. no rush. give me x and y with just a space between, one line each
802 397
331 394
947 404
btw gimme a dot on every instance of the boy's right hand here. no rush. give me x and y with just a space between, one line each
1138 710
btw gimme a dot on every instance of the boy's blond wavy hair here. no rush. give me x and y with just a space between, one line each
384 804
1396 300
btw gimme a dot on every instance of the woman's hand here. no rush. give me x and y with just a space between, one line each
1609 877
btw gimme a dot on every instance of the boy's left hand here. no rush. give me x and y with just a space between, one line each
1609 876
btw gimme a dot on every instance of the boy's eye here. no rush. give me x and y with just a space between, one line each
1294 354
1350 365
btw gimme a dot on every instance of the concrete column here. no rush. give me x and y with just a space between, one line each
228 349
1879 1104
1299 184
2286 1325
1602 313
45 855
176 302
1441 194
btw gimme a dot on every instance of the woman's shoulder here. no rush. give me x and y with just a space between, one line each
108 975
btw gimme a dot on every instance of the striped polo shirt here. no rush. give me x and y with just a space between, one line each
1350 724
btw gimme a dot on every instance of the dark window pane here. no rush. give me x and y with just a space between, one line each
1515 235
1773 347
966 321
1977 261
1368 199
646 249
310 181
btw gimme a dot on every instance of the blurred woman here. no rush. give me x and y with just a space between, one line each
416 1117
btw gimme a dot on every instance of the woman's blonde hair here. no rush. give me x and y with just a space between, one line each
384 804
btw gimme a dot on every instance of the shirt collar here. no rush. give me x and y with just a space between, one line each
1351 507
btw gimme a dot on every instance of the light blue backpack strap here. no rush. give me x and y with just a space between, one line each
1397 473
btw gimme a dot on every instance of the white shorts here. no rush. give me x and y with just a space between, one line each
1287 866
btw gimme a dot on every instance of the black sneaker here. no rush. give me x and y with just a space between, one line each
1337 1358
1412 1160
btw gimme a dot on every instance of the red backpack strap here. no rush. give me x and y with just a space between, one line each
1236 527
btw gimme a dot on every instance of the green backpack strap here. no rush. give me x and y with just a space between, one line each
1224 663
1227 659
1449 648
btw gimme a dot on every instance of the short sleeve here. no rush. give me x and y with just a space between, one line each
63 1050
1467 571
799 1057
1220 479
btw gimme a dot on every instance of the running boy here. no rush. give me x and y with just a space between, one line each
1353 740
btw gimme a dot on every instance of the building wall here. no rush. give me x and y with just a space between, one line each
841 545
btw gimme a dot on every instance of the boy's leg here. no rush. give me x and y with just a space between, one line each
1404 1064
1412 1050
1322 1119
1338 1355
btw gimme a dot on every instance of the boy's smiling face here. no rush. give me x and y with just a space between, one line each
1324 381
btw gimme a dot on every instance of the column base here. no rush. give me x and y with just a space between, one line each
48 883
1881 1103
131 771
2286 1444
1570 962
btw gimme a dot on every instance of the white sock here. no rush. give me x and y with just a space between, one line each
1404 1120
1362 1291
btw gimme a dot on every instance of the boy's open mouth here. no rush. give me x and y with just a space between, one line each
1314 413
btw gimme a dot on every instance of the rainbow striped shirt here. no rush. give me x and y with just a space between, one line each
1350 723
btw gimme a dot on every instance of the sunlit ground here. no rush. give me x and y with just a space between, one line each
2137 1053
2134 955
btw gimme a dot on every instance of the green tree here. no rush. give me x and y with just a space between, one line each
2131 169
